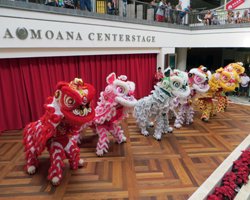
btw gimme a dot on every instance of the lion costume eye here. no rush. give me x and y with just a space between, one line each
225 78
69 101
165 83
120 89
176 84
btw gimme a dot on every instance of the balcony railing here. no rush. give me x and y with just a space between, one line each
164 15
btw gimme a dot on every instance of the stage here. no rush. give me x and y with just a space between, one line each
141 168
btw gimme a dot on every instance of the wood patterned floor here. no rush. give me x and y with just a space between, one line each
142 168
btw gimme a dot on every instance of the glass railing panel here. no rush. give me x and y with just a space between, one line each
159 15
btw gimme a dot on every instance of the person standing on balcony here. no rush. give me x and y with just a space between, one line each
178 10
153 4
230 16
184 13
51 2
86 4
245 18
208 18
160 11
110 7
237 18
168 8
124 7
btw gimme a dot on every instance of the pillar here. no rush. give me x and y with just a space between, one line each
139 14
161 56
181 58
150 14
131 11
120 8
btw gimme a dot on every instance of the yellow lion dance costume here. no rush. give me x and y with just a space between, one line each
223 80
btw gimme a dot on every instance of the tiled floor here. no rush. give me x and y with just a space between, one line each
140 169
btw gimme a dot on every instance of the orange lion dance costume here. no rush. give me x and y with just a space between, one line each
223 80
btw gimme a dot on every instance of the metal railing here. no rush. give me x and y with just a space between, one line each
220 17
164 14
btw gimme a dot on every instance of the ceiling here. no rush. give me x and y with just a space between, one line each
207 4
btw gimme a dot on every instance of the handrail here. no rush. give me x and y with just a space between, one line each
146 12
222 17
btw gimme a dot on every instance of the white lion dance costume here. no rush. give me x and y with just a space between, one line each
66 113
198 83
113 106
157 105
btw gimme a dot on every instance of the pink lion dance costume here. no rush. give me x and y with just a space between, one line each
65 116
113 106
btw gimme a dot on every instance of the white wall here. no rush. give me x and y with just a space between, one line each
90 29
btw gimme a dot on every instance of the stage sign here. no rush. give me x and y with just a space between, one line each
234 4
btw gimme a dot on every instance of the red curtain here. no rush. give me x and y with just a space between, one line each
25 83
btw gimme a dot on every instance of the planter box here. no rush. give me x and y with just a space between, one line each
215 178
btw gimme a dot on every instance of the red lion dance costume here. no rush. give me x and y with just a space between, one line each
66 114
113 106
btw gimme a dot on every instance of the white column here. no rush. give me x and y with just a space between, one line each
93 3
161 56
181 58
120 8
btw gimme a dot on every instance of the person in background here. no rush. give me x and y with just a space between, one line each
178 10
244 81
160 11
158 76
154 5
230 16
69 4
168 8
208 18
184 13
215 20
124 7
245 18
237 18
249 92
169 13
86 4
110 7
51 2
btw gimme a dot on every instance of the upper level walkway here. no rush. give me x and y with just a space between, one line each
191 21
40 30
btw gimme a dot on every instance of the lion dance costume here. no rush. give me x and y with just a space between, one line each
157 105
223 80
66 113
113 106
198 83
221 97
